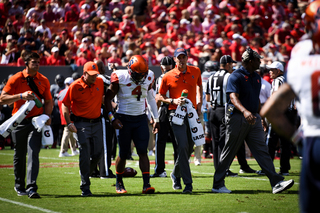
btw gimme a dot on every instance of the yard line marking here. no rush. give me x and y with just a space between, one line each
26 205
50 158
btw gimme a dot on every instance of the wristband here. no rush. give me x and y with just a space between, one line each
110 115
171 100
21 96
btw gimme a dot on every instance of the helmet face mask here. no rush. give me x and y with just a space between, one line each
138 69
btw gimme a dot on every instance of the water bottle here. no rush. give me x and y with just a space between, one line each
205 115
38 102
184 93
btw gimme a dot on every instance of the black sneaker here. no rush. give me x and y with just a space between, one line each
188 189
176 182
231 174
283 173
260 172
20 192
163 174
86 193
33 194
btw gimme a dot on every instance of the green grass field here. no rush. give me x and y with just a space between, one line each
59 181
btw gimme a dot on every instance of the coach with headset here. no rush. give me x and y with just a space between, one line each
244 124
21 87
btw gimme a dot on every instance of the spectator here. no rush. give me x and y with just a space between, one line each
85 11
114 59
25 28
83 58
127 26
235 47
150 57
20 61
45 48
101 28
9 54
27 41
69 58
164 52
280 35
58 9
116 17
16 9
208 20
72 15
43 27
38 10
68 6
55 59
155 26
9 30
49 16
18 23
125 59
140 9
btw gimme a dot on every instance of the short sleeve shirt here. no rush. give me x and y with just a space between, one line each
248 87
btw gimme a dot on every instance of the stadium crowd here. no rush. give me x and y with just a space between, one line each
68 32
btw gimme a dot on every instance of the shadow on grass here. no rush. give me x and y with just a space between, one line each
195 193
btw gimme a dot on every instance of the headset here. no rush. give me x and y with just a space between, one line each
29 56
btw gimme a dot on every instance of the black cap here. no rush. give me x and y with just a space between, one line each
166 61
226 59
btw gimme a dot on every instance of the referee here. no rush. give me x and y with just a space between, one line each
217 98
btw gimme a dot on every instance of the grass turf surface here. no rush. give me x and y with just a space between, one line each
59 182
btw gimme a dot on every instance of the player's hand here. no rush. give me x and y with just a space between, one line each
251 119
28 96
156 127
72 127
179 101
117 124
48 121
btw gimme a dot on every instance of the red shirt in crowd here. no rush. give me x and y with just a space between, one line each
52 61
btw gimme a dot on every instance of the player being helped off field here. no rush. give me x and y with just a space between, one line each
133 89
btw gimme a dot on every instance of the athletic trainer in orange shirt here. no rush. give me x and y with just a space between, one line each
180 78
25 137
84 98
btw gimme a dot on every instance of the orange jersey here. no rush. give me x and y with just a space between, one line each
18 84
85 101
175 82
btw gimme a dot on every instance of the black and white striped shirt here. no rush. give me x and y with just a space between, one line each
216 88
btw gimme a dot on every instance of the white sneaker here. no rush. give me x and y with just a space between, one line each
282 185
75 152
151 153
65 154
223 189
197 162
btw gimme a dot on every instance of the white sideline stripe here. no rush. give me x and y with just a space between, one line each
26 205
49 158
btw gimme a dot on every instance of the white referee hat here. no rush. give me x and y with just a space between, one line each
276 65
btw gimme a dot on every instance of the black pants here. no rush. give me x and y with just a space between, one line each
218 133
161 140
284 147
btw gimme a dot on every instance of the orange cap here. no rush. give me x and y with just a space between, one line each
91 68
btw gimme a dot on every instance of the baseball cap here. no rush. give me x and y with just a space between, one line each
225 59
91 68
246 55
276 65
236 36
85 6
184 21
54 49
166 61
180 51
68 80
84 40
8 37
118 32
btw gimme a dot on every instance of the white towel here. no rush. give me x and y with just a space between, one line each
196 128
39 121
11 124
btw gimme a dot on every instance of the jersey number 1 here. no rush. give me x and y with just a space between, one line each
315 86
137 91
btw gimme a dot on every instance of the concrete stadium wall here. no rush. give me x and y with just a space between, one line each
51 71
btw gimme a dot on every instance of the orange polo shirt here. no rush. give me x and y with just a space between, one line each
175 81
83 100
18 84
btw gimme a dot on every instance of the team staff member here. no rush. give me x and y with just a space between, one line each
84 99
244 123
217 97
25 137
180 78
133 88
